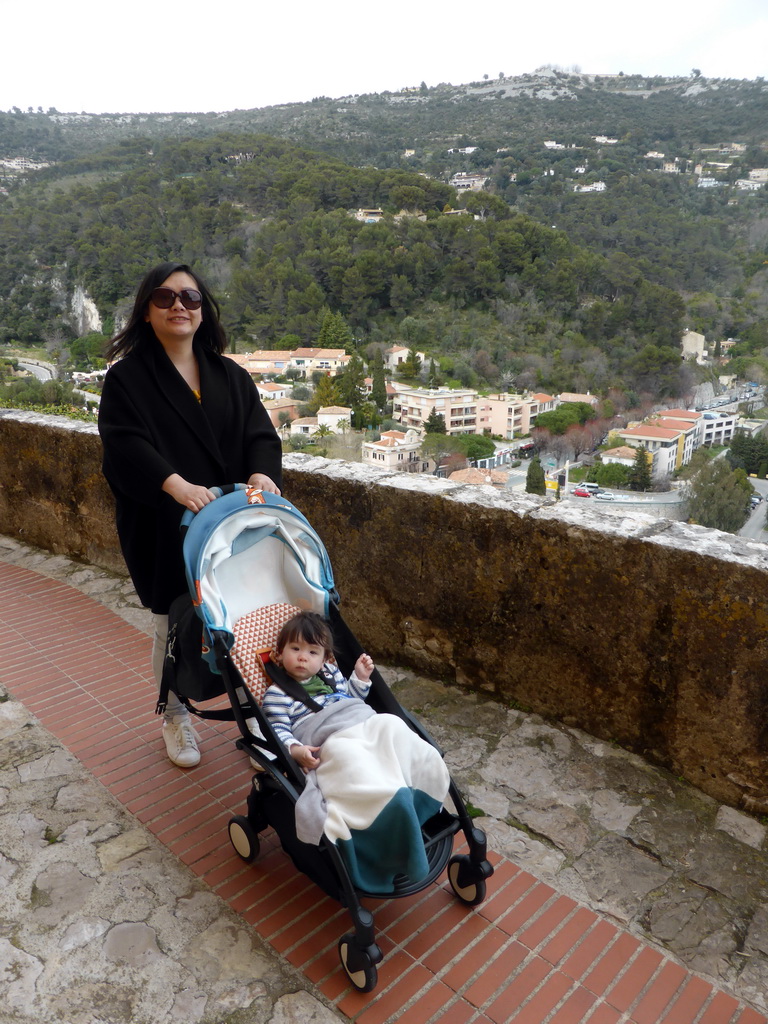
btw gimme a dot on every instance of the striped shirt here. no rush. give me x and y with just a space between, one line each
284 713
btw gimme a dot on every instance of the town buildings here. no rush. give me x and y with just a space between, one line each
303 360
466 412
673 436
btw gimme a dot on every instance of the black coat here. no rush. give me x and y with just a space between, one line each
151 426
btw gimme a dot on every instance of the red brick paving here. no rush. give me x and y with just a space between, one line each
526 956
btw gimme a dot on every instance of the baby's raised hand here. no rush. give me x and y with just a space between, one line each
364 667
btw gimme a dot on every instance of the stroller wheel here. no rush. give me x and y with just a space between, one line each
466 881
357 964
244 838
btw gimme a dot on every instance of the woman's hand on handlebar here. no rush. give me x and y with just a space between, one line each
191 496
263 482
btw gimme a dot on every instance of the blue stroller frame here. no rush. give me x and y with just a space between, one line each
250 550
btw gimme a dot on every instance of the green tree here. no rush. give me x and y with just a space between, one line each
434 377
476 446
326 393
378 380
334 332
351 383
718 496
640 474
535 481
434 423
439 447
611 474
411 366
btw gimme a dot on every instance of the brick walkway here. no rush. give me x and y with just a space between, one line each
528 955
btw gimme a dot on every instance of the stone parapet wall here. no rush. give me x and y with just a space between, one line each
646 632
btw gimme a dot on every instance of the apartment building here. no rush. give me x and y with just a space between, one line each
718 427
463 410
688 423
512 415
663 443
466 412
712 428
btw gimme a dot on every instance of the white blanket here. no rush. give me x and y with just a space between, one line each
378 782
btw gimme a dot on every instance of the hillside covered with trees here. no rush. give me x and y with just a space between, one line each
532 285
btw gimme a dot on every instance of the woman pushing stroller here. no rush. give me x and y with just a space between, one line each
176 418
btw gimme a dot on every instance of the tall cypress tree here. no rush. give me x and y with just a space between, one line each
351 383
640 474
378 380
535 481
335 332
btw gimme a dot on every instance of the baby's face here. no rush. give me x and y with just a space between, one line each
302 660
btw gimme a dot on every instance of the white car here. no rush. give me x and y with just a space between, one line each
605 496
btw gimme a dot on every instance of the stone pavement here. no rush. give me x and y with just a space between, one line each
643 850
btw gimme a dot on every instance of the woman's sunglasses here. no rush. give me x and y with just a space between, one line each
164 298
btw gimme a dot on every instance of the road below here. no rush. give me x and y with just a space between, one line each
754 528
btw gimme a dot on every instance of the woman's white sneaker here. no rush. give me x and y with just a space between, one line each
181 742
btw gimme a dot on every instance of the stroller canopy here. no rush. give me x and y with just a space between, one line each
249 549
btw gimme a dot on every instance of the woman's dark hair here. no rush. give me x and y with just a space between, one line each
138 332
308 627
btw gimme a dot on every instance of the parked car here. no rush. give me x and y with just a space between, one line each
581 492
605 496
755 499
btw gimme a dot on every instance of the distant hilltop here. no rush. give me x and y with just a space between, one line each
546 82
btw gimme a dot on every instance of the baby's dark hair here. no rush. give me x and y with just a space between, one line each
309 627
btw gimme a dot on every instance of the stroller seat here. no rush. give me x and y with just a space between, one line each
255 638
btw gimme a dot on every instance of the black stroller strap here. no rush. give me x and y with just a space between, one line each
281 679
165 680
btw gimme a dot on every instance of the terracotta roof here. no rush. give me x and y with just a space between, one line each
479 476
315 353
659 433
623 452
263 355
569 396
673 424
682 414
282 403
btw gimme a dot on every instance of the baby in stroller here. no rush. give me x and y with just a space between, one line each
372 781
304 651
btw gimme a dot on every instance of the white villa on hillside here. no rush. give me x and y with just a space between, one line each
396 450
336 418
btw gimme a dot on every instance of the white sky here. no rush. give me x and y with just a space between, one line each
143 55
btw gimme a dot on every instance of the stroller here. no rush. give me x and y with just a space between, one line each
252 560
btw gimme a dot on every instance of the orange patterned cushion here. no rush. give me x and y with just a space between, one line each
255 637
